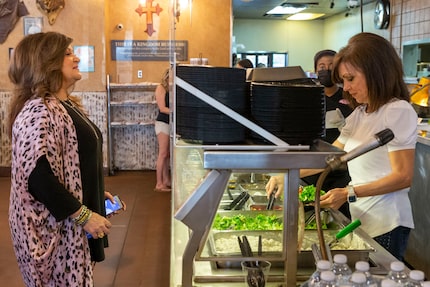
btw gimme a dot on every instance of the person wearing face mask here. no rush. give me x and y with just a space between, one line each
337 109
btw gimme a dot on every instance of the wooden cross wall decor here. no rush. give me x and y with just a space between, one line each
149 10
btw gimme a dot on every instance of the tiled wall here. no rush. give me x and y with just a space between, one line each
410 20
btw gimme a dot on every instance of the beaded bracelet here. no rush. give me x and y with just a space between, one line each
87 217
80 214
83 216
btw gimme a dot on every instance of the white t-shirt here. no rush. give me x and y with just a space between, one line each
382 213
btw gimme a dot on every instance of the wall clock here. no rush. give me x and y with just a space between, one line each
382 14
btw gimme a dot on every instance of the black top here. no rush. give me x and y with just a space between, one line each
163 117
58 200
337 178
333 102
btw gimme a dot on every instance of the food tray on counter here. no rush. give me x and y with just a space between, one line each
224 243
258 214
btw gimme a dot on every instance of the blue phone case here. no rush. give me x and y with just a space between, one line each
112 207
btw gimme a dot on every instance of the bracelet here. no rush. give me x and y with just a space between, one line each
88 216
83 216
80 214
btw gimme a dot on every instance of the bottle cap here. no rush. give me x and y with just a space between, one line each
358 277
340 258
328 276
397 266
362 266
416 275
323 265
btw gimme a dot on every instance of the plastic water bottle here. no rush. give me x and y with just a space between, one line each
388 283
416 277
328 279
322 265
341 269
363 266
425 284
397 273
358 279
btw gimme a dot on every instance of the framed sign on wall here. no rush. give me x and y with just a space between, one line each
32 25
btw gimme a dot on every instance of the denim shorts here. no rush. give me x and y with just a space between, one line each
395 241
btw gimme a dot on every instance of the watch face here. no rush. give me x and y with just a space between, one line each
352 198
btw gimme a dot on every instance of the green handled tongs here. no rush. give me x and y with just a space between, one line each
345 231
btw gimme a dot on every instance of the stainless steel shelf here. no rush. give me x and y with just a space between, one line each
113 104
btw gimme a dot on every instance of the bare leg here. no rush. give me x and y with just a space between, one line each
166 172
163 161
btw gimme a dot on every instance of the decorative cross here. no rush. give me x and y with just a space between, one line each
149 10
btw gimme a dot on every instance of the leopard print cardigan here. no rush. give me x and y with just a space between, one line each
49 253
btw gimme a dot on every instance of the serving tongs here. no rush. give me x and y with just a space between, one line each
271 202
238 202
255 276
324 220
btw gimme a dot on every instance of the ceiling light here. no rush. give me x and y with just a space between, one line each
286 10
305 16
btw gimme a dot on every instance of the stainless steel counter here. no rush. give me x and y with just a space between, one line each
205 274
194 215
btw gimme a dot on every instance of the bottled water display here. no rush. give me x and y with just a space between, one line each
322 265
339 274
397 273
363 266
328 279
341 269
358 279
416 277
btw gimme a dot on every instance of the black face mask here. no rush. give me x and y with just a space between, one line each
324 76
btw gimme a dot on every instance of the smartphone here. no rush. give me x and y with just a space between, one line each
112 207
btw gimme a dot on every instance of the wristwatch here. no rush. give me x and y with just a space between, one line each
352 197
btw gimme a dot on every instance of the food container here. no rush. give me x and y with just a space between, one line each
257 191
224 243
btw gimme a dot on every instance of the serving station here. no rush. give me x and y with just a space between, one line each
203 177
194 260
